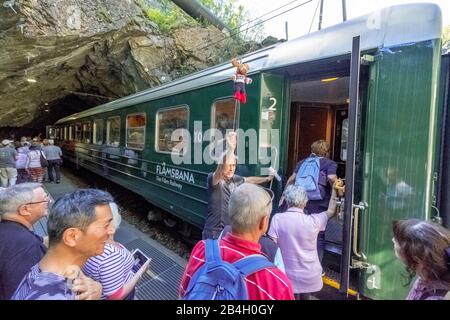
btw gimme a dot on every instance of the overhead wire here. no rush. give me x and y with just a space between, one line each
314 16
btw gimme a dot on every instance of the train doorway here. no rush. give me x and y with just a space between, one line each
325 105
319 110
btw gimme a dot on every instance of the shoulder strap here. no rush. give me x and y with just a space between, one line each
253 263
212 251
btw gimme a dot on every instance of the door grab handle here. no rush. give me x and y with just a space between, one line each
357 207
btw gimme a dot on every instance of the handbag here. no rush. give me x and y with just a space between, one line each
44 162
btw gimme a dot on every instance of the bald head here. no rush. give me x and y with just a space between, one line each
248 205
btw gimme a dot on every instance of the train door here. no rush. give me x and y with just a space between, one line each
324 105
443 200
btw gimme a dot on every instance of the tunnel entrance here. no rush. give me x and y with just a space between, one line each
49 113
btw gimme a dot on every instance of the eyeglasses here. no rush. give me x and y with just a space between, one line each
36 202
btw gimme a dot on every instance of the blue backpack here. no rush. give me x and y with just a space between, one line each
311 178
221 280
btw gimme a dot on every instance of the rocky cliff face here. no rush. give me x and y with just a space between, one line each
58 57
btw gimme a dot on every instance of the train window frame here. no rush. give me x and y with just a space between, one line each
213 120
237 111
182 106
65 133
78 137
94 131
57 132
83 132
51 132
108 127
143 127
71 131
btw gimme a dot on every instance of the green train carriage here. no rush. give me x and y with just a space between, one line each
370 86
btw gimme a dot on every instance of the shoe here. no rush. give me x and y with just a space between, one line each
57 181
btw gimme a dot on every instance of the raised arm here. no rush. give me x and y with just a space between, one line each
332 204
229 158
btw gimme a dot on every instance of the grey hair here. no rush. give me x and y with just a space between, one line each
117 218
74 210
51 141
296 196
248 205
13 197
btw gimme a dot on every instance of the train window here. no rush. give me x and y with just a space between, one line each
167 121
51 133
87 130
57 131
70 133
225 115
98 131
78 132
135 138
113 130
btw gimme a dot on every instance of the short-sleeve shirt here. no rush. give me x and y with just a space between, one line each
296 235
20 249
113 269
38 285
218 199
52 152
8 157
328 167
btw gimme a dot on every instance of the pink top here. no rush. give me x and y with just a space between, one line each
296 235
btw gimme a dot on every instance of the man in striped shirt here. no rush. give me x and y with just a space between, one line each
249 210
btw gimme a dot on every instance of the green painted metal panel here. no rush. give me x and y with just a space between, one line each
272 109
189 202
397 160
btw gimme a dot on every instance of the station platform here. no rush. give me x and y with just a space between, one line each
162 280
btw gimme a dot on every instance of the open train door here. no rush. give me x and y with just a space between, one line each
349 206
391 155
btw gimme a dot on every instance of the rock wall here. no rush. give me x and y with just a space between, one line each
62 56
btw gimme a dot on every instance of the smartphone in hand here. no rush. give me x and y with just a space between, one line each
139 260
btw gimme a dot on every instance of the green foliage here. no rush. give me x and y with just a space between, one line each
165 21
167 16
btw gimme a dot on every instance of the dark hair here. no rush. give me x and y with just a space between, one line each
425 243
74 210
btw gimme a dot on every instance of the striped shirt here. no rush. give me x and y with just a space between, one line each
38 285
266 284
112 269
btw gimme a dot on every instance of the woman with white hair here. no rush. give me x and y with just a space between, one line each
114 268
296 234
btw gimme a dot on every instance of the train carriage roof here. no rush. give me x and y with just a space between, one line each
391 26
